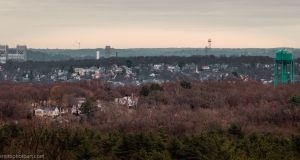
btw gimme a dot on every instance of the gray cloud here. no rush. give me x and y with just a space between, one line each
190 12
39 16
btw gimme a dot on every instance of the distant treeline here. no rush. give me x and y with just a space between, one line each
133 52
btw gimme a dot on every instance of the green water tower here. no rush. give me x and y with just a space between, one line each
284 59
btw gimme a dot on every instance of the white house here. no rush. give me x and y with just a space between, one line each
128 101
157 66
171 68
47 111
76 107
152 75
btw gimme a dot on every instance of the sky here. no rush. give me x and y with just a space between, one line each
150 23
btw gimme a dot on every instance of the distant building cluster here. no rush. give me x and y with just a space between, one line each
107 53
19 55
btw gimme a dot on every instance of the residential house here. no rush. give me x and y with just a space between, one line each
205 67
157 66
80 71
224 66
76 107
62 72
152 75
128 101
96 75
47 111
171 68
92 69
175 69
118 70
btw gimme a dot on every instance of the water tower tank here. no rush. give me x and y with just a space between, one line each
284 56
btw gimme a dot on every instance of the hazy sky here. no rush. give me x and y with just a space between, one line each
150 23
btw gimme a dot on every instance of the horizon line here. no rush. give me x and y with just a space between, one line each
169 48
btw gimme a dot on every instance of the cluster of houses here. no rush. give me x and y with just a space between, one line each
54 111
154 73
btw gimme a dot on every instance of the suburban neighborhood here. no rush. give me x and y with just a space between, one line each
149 73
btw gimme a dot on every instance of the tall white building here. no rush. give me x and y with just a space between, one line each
98 55
20 55
3 53
107 52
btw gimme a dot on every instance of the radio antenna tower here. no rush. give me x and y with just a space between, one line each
209 43
78 44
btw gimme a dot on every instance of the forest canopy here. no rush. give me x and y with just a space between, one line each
178 120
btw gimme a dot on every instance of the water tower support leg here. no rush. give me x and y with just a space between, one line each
282 73
292 72
285 73
276 74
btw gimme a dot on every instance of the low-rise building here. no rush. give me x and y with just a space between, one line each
128 101
47 111
205 67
